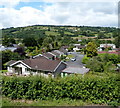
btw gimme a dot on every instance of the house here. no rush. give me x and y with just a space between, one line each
37 56
64 50
109 52
79 40
3 48
74 70
40 65
47 55
53 55
118 67
118 50
78 47
104 46
114 51
56 53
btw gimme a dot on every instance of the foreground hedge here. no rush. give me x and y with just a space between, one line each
87 88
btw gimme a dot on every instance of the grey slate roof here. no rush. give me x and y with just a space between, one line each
40 63
118 65
55 53
47 55
76 70
10 62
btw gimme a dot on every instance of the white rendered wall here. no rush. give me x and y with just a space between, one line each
24 69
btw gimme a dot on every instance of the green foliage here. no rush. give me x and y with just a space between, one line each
3 71
95 65
102 62
8 41
70 48
85 59
30 41
98 90
9 55
91 49
101 35
117 41
110 57
63 57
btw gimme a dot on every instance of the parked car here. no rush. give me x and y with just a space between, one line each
73 59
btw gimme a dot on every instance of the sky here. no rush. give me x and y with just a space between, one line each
19 13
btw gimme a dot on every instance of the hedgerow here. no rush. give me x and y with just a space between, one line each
95 89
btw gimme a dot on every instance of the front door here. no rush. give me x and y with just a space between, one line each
19 71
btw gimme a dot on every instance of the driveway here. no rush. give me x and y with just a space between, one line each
78 62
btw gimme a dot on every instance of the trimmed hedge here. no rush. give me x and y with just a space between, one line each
88 88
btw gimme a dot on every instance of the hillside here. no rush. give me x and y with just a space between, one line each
72 31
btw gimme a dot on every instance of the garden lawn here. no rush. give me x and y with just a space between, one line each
60 102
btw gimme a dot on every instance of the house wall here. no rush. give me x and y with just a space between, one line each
63 74
24 69
110 45
59 69
46 75
76 49
27 71
10 69
42 73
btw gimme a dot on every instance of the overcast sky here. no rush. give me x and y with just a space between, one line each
18 13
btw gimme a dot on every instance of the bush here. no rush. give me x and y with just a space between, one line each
110 57
85 59
87 88
95 65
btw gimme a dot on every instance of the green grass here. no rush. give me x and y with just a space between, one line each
60 102
51 33
68 33
3 71
69 57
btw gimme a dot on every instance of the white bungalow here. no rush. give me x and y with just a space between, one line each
41 65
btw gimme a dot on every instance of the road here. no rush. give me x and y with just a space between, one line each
78 62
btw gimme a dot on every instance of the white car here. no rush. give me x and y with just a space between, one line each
73 59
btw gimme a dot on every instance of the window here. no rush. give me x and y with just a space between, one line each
63 74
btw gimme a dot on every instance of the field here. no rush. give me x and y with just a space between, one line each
51 33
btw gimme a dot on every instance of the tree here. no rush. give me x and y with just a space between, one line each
9 55
115 33
8 41
20 51
85 59
101 35
117 41
29 41
39 41
48 40
95 65
91 49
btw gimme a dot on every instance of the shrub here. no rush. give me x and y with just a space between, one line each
85 59
87 88
95 65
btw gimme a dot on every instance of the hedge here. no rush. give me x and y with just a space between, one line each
95 89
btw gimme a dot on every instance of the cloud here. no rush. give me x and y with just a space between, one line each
84 13
23 17
11 3
77 13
